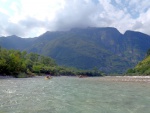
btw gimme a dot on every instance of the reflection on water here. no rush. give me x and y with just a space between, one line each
73 95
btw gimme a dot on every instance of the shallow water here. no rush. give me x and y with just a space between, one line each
73 95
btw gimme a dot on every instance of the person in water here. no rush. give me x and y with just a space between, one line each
48 76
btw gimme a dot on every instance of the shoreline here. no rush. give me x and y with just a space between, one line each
103 78
126 78
6 77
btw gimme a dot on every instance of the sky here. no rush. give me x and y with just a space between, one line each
31 18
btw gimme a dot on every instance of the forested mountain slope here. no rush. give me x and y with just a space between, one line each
104 48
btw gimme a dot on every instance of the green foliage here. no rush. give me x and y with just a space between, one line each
129 71
21 65
143 67
14 62
105 48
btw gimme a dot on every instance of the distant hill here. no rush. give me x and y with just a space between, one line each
104 48
15 42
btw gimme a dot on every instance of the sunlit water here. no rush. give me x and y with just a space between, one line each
73 95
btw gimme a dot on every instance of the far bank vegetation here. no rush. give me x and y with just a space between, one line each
23 64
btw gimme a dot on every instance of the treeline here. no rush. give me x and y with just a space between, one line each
22 64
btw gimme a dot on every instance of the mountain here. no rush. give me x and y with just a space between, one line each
15 42
104 48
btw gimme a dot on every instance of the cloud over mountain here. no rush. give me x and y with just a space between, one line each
30 18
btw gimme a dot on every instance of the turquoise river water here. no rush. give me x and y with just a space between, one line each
73 95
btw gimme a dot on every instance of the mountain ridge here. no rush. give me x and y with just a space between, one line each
86 48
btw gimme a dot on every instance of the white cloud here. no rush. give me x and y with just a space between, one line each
76 14
144 21
41 9
30 18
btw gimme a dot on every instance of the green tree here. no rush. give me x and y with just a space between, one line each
47 61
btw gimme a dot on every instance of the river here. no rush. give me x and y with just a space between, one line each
73 95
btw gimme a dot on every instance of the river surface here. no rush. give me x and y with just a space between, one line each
73 95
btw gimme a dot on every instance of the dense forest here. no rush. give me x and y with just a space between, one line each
23 64
143 67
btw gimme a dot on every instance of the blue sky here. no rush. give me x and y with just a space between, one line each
31 18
